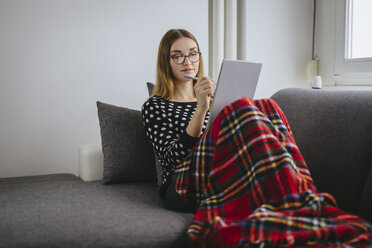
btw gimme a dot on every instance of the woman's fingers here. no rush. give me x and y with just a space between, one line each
204 89
205 83
204 79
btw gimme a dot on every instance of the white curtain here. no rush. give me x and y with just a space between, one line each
227 32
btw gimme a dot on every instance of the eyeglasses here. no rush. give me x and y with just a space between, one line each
179 59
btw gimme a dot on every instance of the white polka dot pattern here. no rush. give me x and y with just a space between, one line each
165 125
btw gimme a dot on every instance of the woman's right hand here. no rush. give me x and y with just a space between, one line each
204 90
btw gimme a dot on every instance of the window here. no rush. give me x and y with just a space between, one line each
359 32
353 60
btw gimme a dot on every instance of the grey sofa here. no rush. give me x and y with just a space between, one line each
332 128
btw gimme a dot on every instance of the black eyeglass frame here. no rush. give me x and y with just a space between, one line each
184 57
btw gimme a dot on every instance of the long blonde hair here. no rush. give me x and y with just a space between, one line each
164 77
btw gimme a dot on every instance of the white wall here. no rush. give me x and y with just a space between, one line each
279 34
59 57
325 39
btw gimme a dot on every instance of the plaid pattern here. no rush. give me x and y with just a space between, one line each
252 187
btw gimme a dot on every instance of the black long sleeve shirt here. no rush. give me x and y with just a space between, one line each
165 125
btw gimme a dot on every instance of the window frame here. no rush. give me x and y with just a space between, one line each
348 71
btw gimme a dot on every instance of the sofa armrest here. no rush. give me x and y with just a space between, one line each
332 129
90 163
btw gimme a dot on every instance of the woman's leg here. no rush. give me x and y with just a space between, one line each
252 185
174 201
248 138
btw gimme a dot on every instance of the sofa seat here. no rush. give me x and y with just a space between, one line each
61 210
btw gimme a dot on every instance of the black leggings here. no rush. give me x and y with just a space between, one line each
174 202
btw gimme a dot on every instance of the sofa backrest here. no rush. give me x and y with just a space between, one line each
333 129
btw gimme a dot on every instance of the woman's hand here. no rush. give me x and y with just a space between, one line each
204 90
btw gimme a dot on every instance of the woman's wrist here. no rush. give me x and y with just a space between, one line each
196 123
202 110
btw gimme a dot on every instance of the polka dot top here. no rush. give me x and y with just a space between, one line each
165 125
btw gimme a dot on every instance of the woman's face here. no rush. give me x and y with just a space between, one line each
184 47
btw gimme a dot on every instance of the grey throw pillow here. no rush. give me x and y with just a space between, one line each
150 87
127 153
159 169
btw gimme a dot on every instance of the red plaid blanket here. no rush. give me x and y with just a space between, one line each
253 189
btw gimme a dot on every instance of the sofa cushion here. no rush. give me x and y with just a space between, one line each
333 131
64 211
159 169
150 87
365 205
127 153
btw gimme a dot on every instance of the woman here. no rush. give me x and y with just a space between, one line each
244 175
176 114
